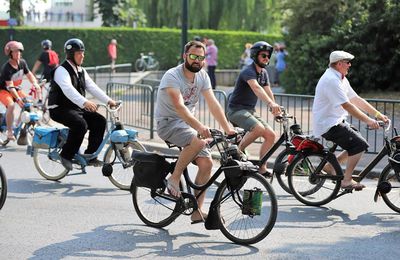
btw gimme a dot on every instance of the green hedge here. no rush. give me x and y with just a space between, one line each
165 43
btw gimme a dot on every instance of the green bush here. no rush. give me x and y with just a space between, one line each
165 43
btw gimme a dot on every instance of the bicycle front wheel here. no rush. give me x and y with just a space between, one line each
48 167
140 65
280 166
154 207
156 65
121 177
3 187
392 197
238 222
309 187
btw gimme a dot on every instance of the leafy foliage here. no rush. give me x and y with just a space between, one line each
369 29
165 43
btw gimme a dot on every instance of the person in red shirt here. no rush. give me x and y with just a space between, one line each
112 53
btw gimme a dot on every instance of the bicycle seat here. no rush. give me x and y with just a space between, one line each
171 145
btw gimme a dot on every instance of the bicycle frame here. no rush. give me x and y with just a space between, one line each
83 160
190 185
284 138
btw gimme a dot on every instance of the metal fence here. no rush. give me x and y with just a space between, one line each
104 73
139 102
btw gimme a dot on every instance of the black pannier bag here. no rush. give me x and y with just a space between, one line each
150 169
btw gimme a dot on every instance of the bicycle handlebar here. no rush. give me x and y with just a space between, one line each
382 124
109 109
283 116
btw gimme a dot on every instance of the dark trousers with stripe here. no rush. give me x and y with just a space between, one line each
79 122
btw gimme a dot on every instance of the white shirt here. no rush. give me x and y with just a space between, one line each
331 92
62 78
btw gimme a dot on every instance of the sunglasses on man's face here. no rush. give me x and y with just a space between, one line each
263 55
346 61
196 57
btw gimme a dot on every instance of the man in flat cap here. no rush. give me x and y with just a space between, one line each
334 100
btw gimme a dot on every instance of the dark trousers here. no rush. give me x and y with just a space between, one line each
211 74
78 122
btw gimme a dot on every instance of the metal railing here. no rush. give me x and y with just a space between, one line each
104 73
139 102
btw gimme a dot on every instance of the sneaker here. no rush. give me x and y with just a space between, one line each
66 163
95 162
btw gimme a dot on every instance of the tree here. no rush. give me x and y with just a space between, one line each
130 14
16 11
109 14
369 29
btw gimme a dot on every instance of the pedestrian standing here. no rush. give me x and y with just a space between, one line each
212 60
112 53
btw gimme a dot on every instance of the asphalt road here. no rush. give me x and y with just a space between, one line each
86 217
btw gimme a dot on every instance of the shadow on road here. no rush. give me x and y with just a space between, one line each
126 241
46 188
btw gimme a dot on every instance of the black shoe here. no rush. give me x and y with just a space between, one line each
66 163
95 162
266 174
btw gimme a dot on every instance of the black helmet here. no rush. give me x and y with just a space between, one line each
71 46
197 38
260 46
46 44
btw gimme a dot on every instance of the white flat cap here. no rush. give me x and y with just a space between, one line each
339 55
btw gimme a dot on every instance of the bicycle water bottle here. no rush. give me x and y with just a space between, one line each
252 202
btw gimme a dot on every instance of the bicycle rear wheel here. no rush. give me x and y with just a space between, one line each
3 187
309 187
280 165
47 166
121 177
154 207
239 224
140 65
392 197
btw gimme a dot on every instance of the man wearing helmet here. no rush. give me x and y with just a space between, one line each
69 106
48 58
251 85
12 73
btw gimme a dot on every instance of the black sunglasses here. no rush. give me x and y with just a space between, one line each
263 55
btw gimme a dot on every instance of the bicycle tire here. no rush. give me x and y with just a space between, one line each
309 189
391 198
3 188
243 228
154 207
155 66
140 65
120 177
49 169
280 165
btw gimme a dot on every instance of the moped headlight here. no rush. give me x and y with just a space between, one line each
25 117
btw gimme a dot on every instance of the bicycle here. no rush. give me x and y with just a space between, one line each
117 161
26 123
290 137
315 184
42 107
146 62
3 186
244 207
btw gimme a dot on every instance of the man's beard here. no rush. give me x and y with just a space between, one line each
191 68
262 65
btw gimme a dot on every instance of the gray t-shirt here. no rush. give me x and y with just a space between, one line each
174 78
